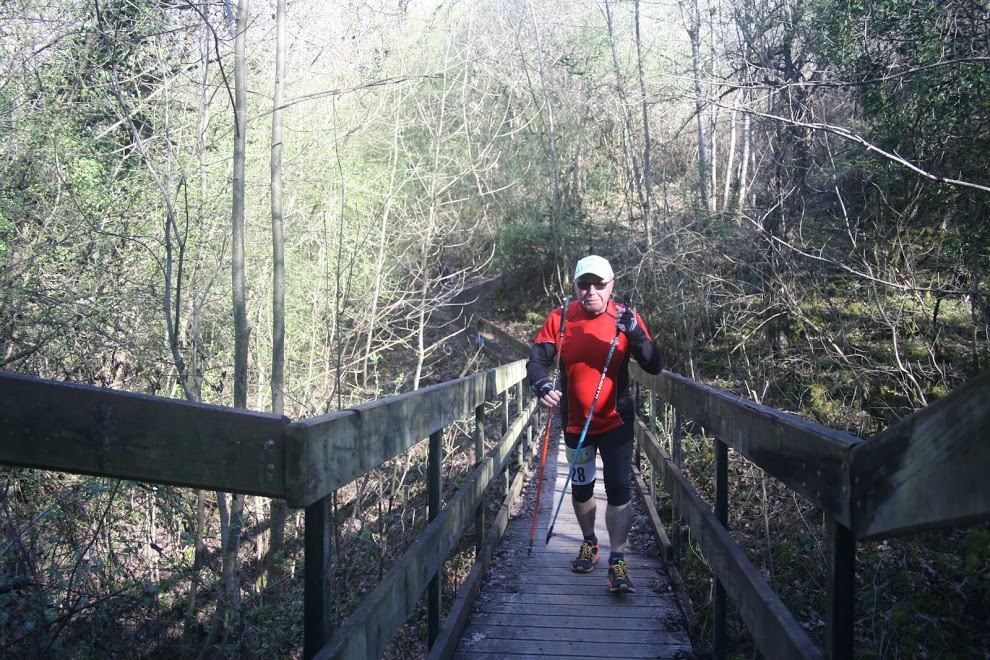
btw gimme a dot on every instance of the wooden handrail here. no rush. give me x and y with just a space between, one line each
925 472
324 453
367 632
327 452
758 605
878 487
90 430
76 428
810 458
929 470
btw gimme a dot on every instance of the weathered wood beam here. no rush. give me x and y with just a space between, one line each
928 470
810 458
370 628
54 425
327 452
773 627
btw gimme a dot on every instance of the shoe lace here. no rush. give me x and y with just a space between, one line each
620 570
587 551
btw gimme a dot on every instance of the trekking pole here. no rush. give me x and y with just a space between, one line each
626 302
546 433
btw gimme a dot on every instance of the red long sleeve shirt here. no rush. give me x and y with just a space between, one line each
585 348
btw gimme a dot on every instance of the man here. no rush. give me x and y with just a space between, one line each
590 326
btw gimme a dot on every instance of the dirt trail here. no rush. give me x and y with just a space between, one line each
454 332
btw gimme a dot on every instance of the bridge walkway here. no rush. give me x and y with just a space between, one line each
533 605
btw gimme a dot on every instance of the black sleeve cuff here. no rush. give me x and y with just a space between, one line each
637 336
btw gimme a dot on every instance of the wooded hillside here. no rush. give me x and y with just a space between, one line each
272 205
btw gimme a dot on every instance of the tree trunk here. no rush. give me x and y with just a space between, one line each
199 559
630 152
279 508
730 159
649 208
744 159
556 222
693 20
227 607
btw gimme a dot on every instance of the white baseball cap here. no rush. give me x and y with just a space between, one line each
594 265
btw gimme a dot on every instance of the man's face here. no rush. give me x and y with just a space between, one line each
592 293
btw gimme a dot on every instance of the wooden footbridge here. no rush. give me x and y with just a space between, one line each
928 471
532 604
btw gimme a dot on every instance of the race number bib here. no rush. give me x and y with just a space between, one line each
584 468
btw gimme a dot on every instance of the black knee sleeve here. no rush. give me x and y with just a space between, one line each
616 449
619 495
584 492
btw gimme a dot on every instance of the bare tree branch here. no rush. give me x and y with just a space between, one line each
843 132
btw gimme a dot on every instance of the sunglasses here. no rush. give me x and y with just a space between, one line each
584 286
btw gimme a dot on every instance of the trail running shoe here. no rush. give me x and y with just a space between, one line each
586 559
618 578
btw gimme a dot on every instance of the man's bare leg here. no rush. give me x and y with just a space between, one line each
585 514
618 520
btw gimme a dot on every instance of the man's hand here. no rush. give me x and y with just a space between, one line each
545 392
625 320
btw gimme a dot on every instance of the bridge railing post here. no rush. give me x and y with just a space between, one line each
434 479
479 455
522 463
507 477
317 588
841 598
654 427
637 402
505 411
675 453
722 514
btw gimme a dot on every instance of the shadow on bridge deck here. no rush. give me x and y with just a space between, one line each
534 605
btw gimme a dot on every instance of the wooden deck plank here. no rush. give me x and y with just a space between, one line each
532 604
543 634
578 649
539 625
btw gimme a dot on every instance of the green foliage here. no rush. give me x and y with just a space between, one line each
527 245
927 594
277 620
80 565
74 210
924 93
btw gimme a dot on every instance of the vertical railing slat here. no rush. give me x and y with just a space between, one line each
637 398
653 427
841 598
479 455
317 588
524 441
505 411
506 477
434 478
675 453
722 514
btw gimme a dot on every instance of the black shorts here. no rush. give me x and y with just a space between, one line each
615 447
